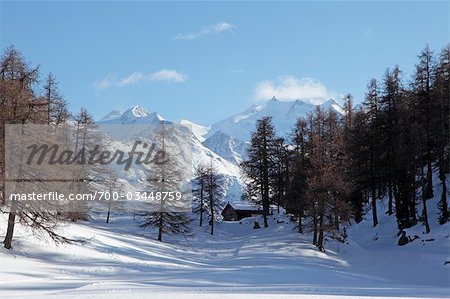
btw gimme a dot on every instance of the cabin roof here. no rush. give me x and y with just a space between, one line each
241 208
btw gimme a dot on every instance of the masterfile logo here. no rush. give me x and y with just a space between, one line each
66 167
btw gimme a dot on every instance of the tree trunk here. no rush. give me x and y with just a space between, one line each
109 211
374 207
77 137
336 221
11 222
320 244
429 188
211 207
300 228
412 201
160 226
266 205
201 204
278 203
374 191
212 220
266 224
424 212
315 230
390 210
443 204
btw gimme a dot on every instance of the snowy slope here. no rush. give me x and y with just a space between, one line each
421 262
198 130
112 115
333 105
226 146
122 260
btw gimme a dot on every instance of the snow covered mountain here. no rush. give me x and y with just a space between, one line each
134 115
229 138
284 116
186 131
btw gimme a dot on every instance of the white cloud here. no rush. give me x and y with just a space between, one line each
137 77
107 82
289 88
132 79
168 75
210 30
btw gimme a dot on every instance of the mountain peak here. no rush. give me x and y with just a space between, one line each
301 102
332 104
136 111
112 115
135 114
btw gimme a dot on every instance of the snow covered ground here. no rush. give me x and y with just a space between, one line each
122 260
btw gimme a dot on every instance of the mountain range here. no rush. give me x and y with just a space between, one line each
228 138
224 143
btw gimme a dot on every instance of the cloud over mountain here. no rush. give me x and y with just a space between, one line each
289 88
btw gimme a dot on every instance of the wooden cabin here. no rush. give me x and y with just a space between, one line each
229 213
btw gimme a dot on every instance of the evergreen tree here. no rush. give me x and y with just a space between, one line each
406 164
363 148
442 115
214 190
114 187
422 93
259 167
165 177
57 112
297 172
361 166
199 191
326 182
280 176
388 114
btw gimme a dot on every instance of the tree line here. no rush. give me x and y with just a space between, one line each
335 167
27 99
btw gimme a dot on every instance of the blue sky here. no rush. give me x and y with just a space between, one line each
205 61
